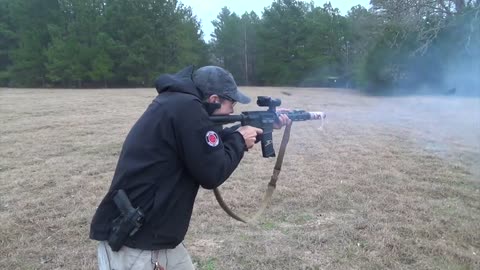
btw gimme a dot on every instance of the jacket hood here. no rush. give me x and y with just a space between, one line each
178 82
182 82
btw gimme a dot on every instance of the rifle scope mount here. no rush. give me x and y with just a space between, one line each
271 103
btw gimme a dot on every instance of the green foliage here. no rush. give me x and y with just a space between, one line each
229 42
282 39
91 43
269 225
102 67
78 43
209 264
7 39
27 55
299 44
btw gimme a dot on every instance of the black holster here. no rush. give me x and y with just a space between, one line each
125 225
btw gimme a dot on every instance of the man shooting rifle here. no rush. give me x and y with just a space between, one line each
172 150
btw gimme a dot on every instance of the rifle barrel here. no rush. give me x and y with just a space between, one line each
295 115
303 115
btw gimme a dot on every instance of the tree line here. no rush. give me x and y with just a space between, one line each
395 44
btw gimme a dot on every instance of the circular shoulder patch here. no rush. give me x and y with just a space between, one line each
212 138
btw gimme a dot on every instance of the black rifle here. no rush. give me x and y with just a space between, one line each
127 224
265 120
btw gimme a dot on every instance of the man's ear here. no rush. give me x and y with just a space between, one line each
212 103
214 99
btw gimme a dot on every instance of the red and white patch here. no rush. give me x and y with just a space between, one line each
212 138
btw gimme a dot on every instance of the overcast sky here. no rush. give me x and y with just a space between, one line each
207 10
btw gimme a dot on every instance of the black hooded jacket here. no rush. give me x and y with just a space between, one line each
170 151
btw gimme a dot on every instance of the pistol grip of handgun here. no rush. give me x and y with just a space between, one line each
267 145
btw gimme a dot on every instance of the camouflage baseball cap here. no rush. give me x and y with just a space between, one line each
216 80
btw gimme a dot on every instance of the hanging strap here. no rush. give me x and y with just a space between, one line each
270 187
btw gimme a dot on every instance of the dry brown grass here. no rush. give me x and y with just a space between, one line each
388 183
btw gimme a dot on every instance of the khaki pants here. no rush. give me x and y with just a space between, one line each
130 258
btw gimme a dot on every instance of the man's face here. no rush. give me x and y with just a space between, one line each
227 104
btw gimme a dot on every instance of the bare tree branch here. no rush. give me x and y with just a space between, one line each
425 17
459 5
473 23
444 7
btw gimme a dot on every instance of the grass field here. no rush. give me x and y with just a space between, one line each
386 183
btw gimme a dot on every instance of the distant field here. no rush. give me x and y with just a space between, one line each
386 183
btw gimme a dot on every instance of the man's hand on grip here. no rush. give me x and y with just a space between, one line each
249 134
